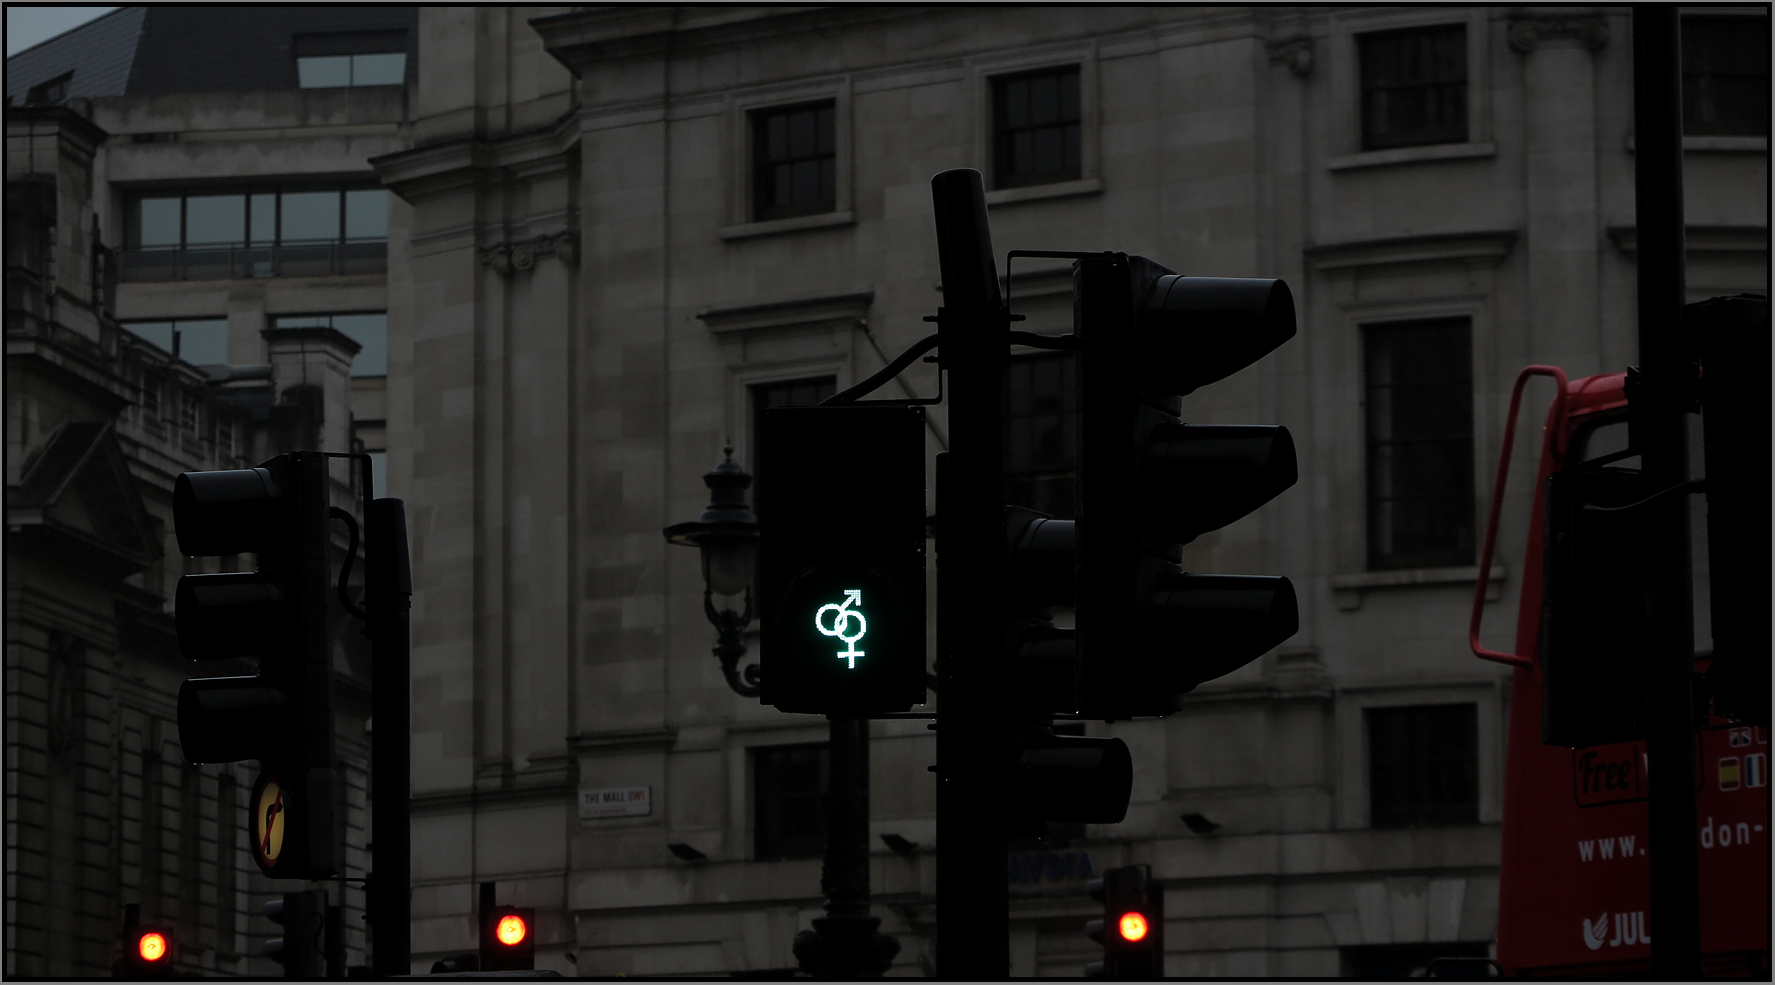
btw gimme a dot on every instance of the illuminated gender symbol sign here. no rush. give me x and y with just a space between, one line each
841 624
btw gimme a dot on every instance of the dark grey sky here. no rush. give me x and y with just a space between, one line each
26 26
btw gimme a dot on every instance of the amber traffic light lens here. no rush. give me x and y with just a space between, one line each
152 947
1132 927
511 930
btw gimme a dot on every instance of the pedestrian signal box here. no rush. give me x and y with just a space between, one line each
841 513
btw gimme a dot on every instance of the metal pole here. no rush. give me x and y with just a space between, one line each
1662 395
388 588
847 945
975 731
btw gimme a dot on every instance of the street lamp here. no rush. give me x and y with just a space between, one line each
727 535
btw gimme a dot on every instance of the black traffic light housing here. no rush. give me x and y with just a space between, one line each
1148 483
281 613
147 951
301 950
508 934
1132 928
841 512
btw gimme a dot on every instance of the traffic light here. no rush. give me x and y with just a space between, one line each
147 951
301 950
508 935
280 612
1132 929
841 512
1148 483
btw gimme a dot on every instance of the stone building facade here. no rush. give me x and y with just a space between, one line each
614 233
152 329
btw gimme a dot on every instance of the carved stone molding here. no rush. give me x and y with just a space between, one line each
1295 52
1526 35
507 258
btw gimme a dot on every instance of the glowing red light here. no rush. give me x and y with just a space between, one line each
511 930
1132 926
151 946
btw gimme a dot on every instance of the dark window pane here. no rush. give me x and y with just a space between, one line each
1419 419
366 214
1414 86
1041 437
1036 127
203 343
310 217
1725 75
263 224
215 220
1423 765
789 801
794 163
159 223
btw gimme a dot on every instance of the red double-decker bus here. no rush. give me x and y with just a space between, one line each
1575 882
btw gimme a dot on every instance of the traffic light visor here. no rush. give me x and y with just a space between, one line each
1132 926
227 615
228 512
511 930
1220 622
228 719
1198 330
152 946
1211 475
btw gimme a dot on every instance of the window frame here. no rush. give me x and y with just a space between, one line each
1068 413
742 174
1344 149
1001 129
1468 709
755 768
1354 700
987 68
758 119
1362 39
1689 16
1397 560
250 258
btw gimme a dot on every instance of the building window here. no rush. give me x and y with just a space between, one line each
198 341
49 93
1036 127
1420 443
368 330
188 404
1041 433
794 161
789 393
151 384
789 801
1423 766
1726 76
364 58
1414 86
295 232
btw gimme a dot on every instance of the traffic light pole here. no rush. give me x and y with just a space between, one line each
974 731
1658 403
388 588
845 943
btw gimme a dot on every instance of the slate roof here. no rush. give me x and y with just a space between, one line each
208 48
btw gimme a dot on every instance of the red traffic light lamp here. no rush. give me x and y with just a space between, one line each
147 951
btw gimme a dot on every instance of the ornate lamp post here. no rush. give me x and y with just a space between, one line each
845 942
727 535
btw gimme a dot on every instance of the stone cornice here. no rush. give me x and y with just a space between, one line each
445 165
581 39
1492 245
781 314
1701 239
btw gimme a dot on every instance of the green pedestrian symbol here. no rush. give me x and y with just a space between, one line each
842 618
